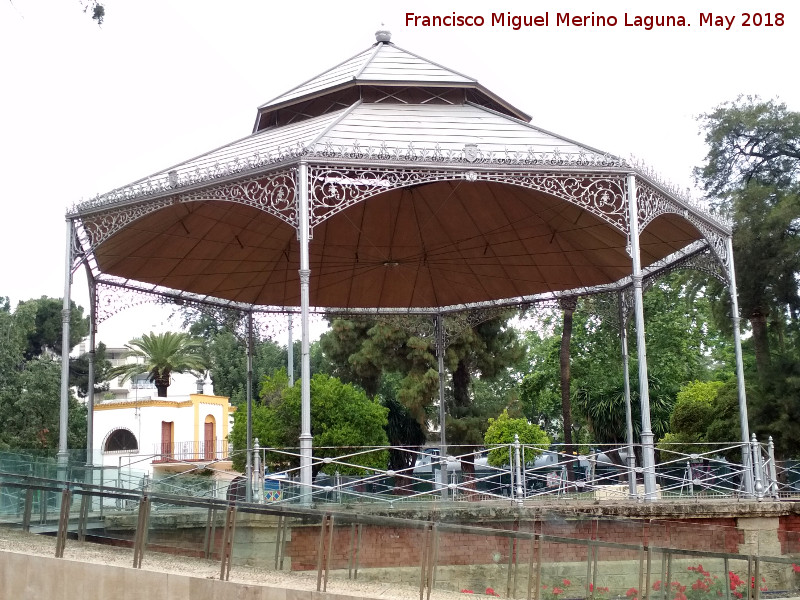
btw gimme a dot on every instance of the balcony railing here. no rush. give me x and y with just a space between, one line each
196 451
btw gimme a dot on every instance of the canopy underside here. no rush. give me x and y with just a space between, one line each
427 246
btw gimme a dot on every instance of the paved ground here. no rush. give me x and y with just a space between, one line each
17 541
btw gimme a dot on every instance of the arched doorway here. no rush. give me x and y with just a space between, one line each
209 438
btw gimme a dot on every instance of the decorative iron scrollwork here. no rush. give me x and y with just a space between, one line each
333 189
273 193
113 299
98 228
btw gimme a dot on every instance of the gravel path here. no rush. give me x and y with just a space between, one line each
40 545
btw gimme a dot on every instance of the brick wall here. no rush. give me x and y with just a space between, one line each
789 534
400 547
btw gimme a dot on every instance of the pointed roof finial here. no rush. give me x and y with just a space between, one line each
383 35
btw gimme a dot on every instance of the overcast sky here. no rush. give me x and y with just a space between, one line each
85 109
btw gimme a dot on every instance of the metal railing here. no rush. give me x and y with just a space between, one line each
190 451
599 472
354 475
554 556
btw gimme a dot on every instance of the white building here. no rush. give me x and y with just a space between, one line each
134 429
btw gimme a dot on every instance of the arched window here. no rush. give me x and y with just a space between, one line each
120 440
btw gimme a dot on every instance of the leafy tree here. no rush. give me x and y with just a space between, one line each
604 410
30 386
503 430
31 418
540 400
225 354
752 173
96 9
404 432
482 352
47 328
682 346
162 354
749 139
691 418
341 417
363 350
775 405
79 372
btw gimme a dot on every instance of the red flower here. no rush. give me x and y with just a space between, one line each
631 592
566 582
491 592
557 591
591 587
657 585
735 580
795 568
467 592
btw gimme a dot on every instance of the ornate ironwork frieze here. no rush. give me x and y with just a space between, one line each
333 189
652 203
273 193
98 228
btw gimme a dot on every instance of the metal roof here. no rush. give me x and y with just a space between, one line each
383 62
384 65
399 130
414 204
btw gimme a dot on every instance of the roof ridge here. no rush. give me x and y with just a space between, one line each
448 69
377 48
334 123
310 79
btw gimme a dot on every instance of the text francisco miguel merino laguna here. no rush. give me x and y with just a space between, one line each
565 19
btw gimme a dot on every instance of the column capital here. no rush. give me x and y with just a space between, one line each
305 276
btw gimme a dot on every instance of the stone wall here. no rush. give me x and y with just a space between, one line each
41 577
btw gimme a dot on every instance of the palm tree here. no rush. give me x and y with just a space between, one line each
162 354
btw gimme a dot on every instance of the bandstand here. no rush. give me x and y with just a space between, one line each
390 184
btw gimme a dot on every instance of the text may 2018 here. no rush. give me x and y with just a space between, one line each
566 19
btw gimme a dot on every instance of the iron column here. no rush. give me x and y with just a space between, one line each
305 364
648 454
92 351
737 344
248 462
63 422
631 458
290 354
442 412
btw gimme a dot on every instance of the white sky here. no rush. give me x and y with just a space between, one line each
84 109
